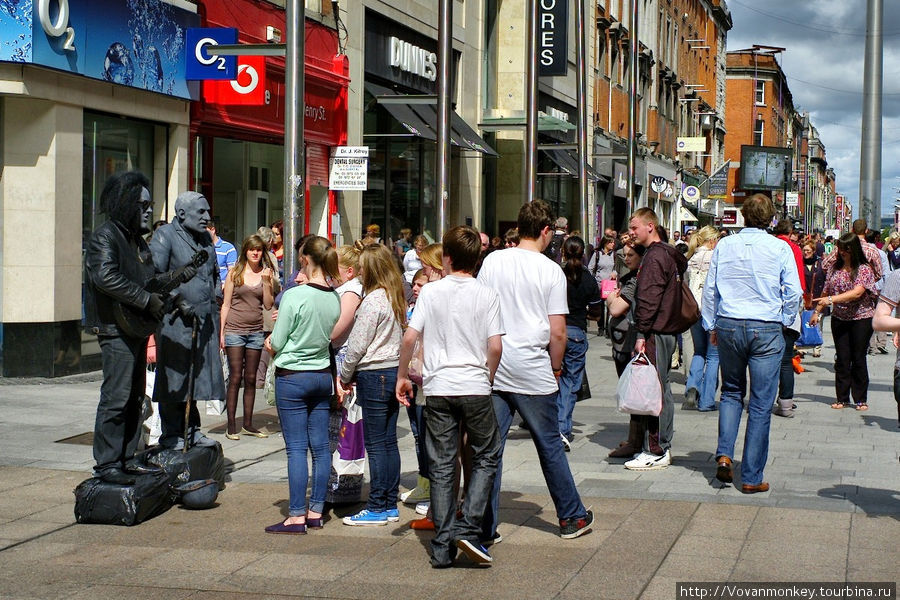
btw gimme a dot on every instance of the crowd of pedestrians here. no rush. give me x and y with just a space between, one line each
469 332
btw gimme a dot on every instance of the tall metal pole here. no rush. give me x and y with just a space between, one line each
442 156
870 146
531 111
294 110
632 103
581 82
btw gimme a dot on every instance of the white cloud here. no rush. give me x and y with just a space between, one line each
824 45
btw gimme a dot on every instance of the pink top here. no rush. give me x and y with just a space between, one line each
838 282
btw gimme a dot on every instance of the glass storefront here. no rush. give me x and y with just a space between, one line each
401 177
111 145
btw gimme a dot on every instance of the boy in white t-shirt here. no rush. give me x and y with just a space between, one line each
534 304
459 321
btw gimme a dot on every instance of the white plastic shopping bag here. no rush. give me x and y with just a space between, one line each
639 392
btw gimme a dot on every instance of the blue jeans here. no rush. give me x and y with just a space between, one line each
303 401
540 414
704 373
757 346
572 373
375 391
443 415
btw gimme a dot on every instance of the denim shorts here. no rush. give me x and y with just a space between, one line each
251 341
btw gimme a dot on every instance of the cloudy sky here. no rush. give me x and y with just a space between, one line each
823 61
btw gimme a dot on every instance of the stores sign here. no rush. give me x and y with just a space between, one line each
553 19
412 59
349 169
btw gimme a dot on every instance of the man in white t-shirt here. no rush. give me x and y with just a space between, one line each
533 305
461 349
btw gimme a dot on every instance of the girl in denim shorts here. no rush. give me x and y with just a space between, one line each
248 289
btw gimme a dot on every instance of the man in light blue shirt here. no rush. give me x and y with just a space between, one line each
751 292
226 255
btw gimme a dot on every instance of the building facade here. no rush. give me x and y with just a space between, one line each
103 92
681 104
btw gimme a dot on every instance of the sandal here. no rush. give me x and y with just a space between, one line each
837 405
862 406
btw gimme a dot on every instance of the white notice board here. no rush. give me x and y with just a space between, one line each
349 168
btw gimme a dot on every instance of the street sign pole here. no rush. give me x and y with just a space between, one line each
531 111
294 150
442 156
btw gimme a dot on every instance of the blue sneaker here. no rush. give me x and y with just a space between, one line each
367 518
393 515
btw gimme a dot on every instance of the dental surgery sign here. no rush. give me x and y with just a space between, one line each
553 29
136 43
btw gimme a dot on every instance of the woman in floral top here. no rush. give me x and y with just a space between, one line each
851 294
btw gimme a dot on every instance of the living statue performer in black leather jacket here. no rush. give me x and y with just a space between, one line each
118 272
173 245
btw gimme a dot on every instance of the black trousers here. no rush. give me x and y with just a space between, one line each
786 381
171 417
117 427
851 373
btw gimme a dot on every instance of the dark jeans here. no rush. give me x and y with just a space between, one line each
540 415
572 375
661 429
851 373
786 383
443 415
304 401
117 427
375 391
416 416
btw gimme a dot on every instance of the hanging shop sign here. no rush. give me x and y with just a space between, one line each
553 30
690 193
202 62
136 44
690 144
248 88
349 168
718 182
793 199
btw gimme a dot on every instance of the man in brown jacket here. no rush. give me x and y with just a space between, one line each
655 307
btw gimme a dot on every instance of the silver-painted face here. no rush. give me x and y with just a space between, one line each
195 217
146 210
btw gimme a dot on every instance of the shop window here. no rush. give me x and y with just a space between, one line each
111 145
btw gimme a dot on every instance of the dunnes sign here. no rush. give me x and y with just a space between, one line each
552 44
412 59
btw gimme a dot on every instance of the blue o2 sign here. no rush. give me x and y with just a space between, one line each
201 60
552 45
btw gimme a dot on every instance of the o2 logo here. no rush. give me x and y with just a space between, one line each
212 58
60 27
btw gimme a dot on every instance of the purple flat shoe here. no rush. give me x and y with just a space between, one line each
280 527
315 523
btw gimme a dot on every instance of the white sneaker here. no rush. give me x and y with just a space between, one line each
422 508
646 461
567 446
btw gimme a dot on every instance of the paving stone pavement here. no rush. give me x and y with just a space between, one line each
833 513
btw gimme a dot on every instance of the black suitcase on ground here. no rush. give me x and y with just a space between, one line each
97 501
200 462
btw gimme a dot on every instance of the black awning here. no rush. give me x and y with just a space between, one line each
420 119
402 113
567 160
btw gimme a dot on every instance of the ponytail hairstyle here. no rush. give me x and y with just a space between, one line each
573 257
701 237
378 269
348 257
322 254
